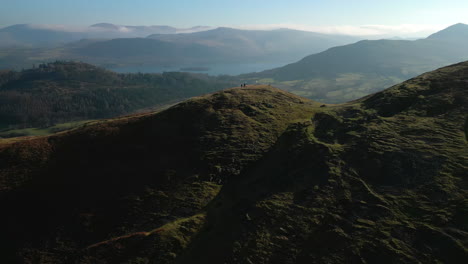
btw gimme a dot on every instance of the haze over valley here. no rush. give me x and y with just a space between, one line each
163 48
324 67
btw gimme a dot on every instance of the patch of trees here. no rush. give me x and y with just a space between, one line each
68 91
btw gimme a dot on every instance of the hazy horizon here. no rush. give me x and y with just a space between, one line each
364 31
362 18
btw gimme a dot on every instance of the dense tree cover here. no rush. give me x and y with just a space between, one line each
67 91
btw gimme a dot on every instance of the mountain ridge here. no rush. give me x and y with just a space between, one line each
351 71
451 32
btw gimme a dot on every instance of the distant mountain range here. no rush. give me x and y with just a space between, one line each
351 71
171 48
280 44
30 35
335 72
221 45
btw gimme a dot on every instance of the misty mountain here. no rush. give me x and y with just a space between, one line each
457 32
115 46
282 44
348 72
53 35
29 35
217 46
221 45
143 50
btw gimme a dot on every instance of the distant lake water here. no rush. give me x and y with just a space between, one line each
213 69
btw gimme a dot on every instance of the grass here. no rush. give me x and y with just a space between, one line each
387 178
341 88
43 131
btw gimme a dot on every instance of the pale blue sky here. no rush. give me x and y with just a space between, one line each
186 13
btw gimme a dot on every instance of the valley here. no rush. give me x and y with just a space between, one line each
349 72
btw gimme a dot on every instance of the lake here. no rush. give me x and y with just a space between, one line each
212 69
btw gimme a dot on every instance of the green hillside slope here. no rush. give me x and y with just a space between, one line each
348 72
250 175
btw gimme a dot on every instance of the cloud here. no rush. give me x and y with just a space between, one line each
367 31
376 31
61 28
79 29
124 29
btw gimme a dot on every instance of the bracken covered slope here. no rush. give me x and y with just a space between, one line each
250 175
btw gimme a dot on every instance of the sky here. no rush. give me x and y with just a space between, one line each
355 17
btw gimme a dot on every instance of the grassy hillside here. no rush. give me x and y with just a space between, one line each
250 175
348 72
120 177
67 91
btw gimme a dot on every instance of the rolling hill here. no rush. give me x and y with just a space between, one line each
250 175
348 72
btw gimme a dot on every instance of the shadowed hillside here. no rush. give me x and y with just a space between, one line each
250 175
